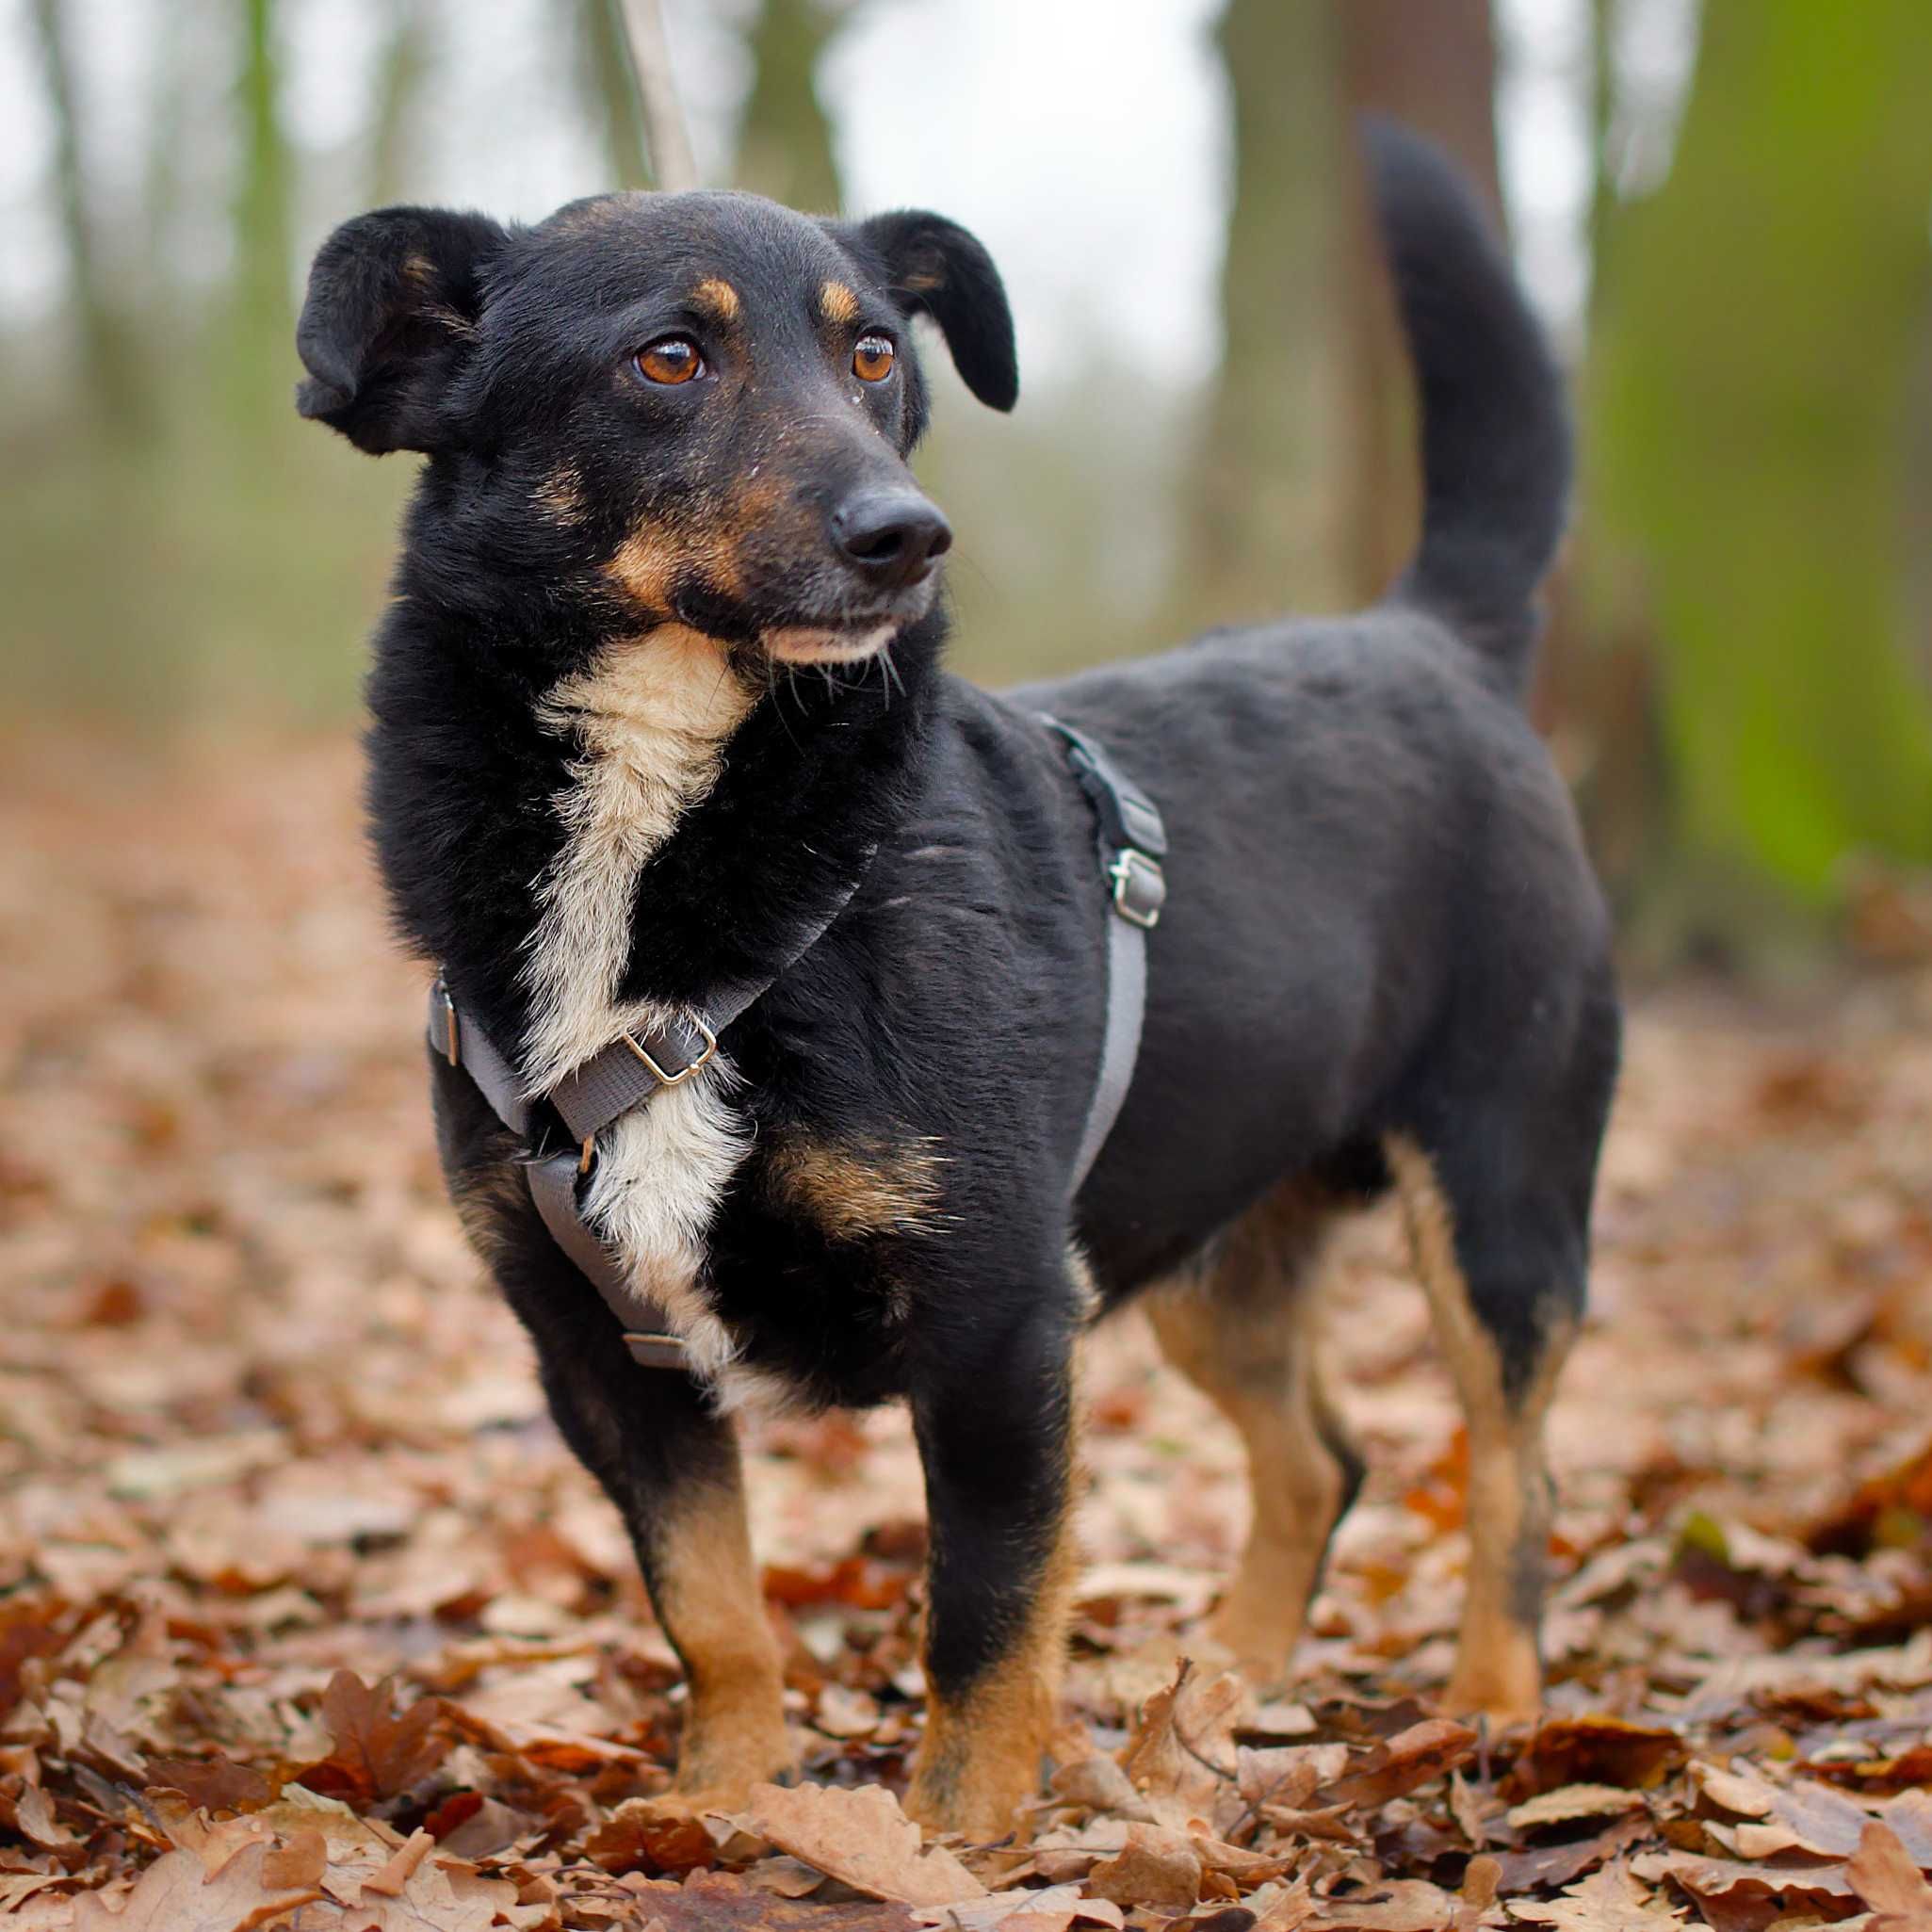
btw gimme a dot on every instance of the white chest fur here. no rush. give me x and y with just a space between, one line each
653 718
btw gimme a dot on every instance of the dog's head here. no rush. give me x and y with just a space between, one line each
698 407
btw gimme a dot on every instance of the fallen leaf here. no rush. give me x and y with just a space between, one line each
1569 1802
379 1752
177 1894
1181 1755
654 1835
1607 1901
1153 1869
862 1839
1596 1749
1405 1904
1886 1877
216 1783
1408 1761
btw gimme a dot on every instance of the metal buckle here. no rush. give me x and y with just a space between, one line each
651 1350
449 1036
678 1079
1131 868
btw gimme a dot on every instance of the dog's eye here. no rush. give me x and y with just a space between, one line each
871 360
675 359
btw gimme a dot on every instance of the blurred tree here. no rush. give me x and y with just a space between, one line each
785 140
1595 686
612 89
399 74
1761 317
258 363
1303 492
113 386
1431 64
1261 492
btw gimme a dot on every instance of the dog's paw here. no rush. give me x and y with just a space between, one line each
717 1772
1502 1697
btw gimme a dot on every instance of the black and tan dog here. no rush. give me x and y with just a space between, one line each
667 441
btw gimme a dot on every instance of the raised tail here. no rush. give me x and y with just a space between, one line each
1495 438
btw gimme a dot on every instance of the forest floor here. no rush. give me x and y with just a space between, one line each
308 1619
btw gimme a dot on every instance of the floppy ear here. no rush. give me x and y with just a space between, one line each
934 268
391 309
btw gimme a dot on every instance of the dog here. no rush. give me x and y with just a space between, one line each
666 442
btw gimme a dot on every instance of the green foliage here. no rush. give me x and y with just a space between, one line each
1763 315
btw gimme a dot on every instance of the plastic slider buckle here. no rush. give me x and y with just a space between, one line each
1140 887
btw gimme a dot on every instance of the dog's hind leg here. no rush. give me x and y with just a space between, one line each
1242 1330
1497 1197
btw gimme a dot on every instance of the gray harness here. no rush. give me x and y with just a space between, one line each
1132 843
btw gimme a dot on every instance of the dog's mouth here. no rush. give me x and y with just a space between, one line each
846 642
848 637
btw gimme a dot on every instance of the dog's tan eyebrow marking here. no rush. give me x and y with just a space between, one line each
838 303
718 297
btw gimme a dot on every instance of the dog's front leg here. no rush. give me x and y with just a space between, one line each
995 1429
673 1468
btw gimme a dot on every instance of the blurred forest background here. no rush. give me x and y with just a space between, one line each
1724 208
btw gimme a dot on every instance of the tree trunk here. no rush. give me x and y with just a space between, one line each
399 90
113 384
1431 65
1764 314
261 355
785 142
1263 488
612 92
1595 688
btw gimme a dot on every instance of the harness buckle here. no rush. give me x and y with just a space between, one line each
451 1038
683 1074
1140 887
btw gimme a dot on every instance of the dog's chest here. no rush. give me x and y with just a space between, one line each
650 722
765 1244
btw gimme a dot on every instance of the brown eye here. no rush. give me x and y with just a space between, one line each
871 360
674 360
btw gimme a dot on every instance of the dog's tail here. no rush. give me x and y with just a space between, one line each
1496 440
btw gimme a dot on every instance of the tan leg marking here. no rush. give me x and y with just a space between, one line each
982 1753
1499 1671
713 1611
1245 1335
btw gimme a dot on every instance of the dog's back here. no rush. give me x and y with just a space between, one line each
1358 804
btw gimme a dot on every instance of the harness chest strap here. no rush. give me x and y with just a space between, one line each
626 1073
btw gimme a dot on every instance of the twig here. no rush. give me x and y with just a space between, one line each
672 168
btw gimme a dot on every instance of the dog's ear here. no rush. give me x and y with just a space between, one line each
390 315
934 268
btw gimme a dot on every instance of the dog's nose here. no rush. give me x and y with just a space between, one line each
891 536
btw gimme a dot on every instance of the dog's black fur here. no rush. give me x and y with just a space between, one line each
1380 921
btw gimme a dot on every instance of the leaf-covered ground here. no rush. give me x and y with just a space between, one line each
307 1619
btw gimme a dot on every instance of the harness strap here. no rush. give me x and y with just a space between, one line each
590 1098
1131 843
